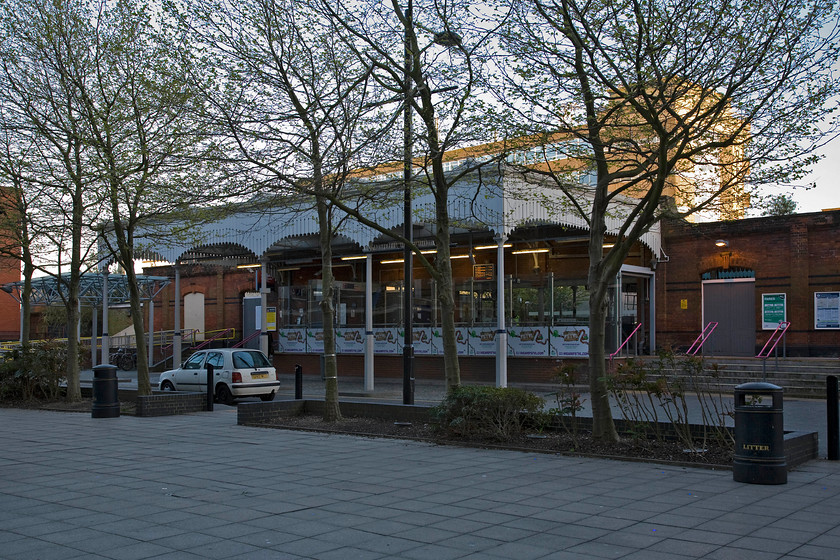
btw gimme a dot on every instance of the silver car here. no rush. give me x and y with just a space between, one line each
237 373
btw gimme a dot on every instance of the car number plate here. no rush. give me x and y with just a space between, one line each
259 375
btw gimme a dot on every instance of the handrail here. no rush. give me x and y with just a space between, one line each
218 335
774 338
248 338
702 338
185 334
626 340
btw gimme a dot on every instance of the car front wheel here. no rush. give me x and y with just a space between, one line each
167 386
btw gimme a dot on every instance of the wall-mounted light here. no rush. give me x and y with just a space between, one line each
529 251
608 245
255 265
721 243
392 261
354 258
453 257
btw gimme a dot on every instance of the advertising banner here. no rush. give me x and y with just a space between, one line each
291 341
422 341
350 341
528 341
482 341
570 341
386 340
315 341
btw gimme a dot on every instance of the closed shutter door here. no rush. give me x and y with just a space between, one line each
732 305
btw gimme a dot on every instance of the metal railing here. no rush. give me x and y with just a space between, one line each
626 340
771 345
698 343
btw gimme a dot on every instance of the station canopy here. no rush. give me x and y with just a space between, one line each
49 290
498 203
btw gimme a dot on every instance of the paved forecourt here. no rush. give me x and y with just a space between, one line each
199 486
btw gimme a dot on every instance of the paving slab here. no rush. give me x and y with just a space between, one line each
200 486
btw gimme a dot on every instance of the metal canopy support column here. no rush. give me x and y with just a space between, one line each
501 332
176 335
263 303
94 338
369 322
151 329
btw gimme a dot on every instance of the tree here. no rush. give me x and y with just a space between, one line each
146 143
429 55
40 104
780 205
293 111
694 101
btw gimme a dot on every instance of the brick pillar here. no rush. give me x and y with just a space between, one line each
800 300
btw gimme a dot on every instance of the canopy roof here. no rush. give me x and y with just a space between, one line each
49 290
489 201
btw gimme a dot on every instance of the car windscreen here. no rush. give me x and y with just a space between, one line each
249 360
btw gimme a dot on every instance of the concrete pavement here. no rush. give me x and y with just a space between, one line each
199 486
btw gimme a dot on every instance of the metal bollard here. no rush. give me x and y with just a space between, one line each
833 418
210 387
298 382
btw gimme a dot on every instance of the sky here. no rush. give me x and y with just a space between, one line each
826 174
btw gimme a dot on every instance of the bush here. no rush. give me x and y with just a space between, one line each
650 392
34 372
486 412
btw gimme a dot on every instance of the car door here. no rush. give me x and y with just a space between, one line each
192 376
217 360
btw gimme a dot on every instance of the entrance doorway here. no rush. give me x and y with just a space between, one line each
732 304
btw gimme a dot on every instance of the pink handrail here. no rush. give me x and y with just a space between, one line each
626 340
219 334
702 338
247 339
774 338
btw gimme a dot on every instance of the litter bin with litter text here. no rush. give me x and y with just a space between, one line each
759 434
106 402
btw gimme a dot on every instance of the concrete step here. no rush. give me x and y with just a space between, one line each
803 377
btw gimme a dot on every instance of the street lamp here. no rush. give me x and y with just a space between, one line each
446 39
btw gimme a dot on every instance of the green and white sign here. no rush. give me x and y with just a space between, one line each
773 310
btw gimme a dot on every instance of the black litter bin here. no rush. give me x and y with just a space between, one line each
106 402
759 434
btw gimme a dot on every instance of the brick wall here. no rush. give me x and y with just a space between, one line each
796 255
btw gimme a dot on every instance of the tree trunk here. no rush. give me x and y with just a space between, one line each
25 303
144 386
443 264
74 392
332 410
603 427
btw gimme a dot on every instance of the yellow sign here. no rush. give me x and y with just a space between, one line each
271 318
683 304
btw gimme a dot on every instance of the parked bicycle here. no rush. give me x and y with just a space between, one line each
124 358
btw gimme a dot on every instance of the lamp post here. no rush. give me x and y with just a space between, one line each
446 39
408 230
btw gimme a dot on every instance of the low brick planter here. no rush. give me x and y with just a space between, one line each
799 447
170 403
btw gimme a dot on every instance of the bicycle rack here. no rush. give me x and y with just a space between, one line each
710 326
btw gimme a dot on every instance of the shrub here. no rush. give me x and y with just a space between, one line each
486 412
34 372
568 398
652 392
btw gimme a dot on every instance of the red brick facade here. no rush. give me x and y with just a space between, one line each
796 255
